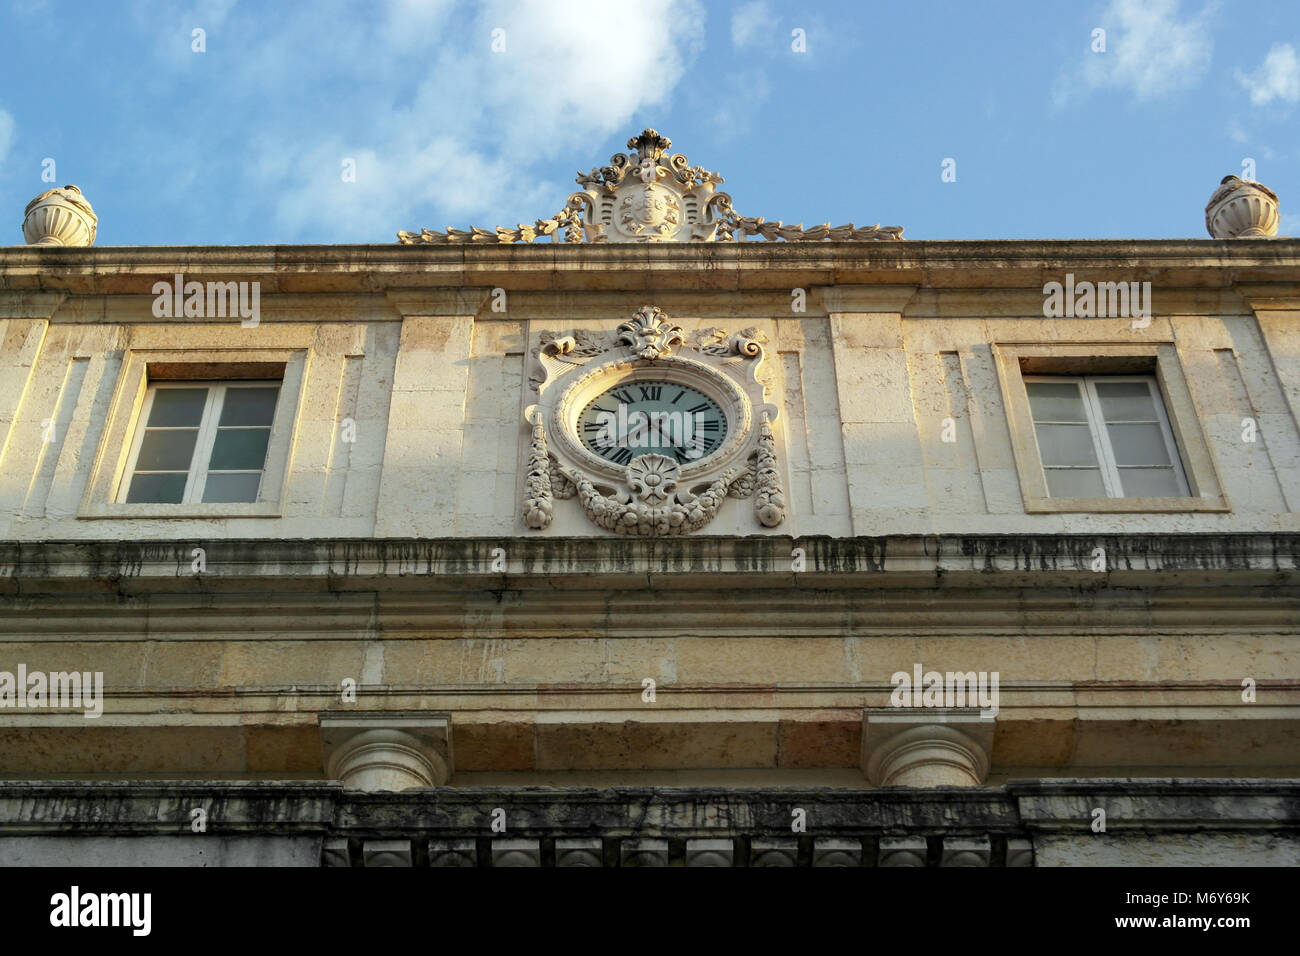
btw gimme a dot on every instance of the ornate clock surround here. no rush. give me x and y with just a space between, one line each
652 493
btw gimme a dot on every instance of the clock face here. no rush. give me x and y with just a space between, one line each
640 417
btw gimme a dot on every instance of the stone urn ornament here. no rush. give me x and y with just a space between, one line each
60 217
1242 209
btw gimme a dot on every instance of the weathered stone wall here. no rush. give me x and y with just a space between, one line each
378 561
893 344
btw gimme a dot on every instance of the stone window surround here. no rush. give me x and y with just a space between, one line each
1016 359
139 368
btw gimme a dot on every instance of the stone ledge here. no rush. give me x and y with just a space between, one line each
982 826
376 268
908 560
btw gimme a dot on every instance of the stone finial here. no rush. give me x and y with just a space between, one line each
60 217
650 145
1242 209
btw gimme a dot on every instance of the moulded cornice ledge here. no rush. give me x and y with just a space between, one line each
30 305
992 560
1066 804
867 298
457 301
1266 297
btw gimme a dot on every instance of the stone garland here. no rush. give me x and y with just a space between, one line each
539 501
769 503
639 517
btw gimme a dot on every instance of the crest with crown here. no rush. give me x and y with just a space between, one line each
647 195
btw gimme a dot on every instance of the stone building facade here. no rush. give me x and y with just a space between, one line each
652 534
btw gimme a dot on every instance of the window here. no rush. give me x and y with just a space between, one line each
201 442
1104 436
1104 427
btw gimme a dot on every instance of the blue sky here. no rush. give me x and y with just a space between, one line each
245 142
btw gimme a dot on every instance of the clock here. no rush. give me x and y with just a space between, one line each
640 416
652 431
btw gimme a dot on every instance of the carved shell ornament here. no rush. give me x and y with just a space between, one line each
646 195
691 429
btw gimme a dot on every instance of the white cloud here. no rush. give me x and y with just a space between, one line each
433 117
1152 50
1278 77
752 23
6 134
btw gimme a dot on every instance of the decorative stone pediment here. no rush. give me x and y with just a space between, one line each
647 195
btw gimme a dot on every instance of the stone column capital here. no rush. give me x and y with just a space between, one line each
378 751
926 748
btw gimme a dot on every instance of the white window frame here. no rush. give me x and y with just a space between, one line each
1097 423
197 479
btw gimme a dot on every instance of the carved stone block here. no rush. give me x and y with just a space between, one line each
582 851
643 852
778 852
837 851
965 851
517 852
386 853
334 852
710 852
901 851
1020 852
453 853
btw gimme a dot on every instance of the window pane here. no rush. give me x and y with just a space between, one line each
164 489
1056 401
238 449
1065 445
1150 483
248 406
1138 445
232 487
1126 401
1075 483
177 407
167 450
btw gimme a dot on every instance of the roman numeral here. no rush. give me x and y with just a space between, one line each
621 456
699 408
624 397
712 426
679 395
650 392
592 426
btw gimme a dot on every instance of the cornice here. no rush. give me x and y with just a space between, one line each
132 270
765 561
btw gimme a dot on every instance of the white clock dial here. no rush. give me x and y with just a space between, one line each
642 417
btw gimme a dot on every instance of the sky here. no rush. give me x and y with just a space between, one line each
333 121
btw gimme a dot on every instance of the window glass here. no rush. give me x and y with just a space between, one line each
1104 437
203 443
